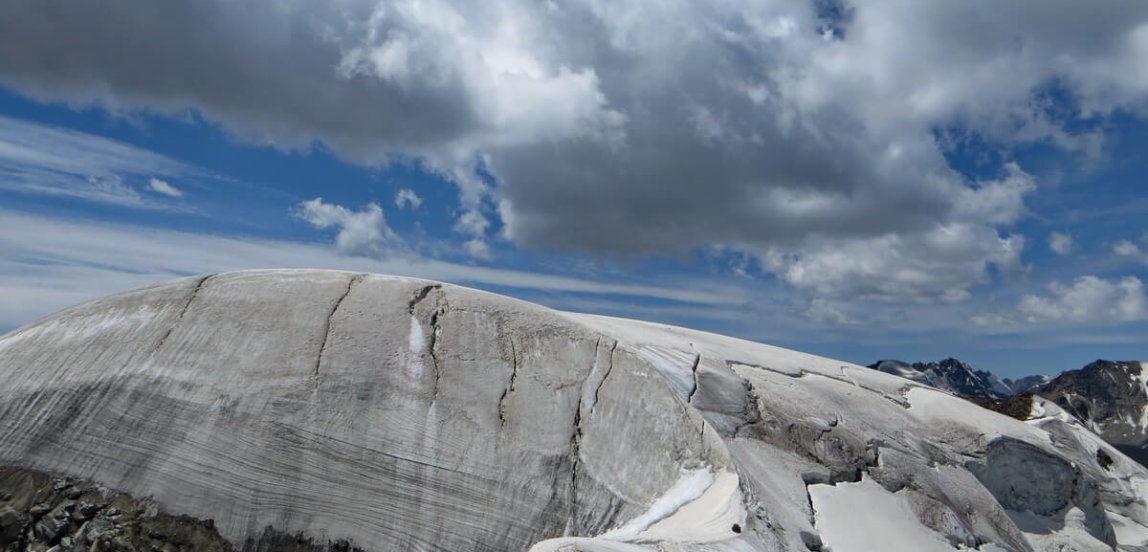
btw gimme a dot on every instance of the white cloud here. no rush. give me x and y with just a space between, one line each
1125 248
407 197
1129 249
824 313
494 59
996 202
162 187
474 224
936 265
361 233
1089 299
1059 243
478 249
939 262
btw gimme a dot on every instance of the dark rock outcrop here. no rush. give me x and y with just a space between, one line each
39 512
1018 406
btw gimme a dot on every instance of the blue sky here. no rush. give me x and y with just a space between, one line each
870 181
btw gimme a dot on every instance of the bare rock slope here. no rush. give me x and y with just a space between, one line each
385 413
1110 398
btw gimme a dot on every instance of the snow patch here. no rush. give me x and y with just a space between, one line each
584 544
1036 409
1044 410
1128 532
689 487
710 517
863 517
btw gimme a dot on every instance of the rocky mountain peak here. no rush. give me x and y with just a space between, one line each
949 374
1111 398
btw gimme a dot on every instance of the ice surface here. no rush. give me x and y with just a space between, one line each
675 365
416 336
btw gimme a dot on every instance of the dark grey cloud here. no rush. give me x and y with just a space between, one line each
268 70
801 133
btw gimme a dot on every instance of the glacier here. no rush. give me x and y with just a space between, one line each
390 413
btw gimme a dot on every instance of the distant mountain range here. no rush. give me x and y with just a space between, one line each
959 378
1108 397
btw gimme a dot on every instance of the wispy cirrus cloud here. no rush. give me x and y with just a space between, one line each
45 160
48 264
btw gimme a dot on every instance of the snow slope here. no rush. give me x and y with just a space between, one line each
402 414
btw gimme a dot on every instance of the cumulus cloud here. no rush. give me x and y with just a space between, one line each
478 249
474 224
1131 250
1125 248
361 233
797 132
936 265
1089 299
162 187
1059 243
407 197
